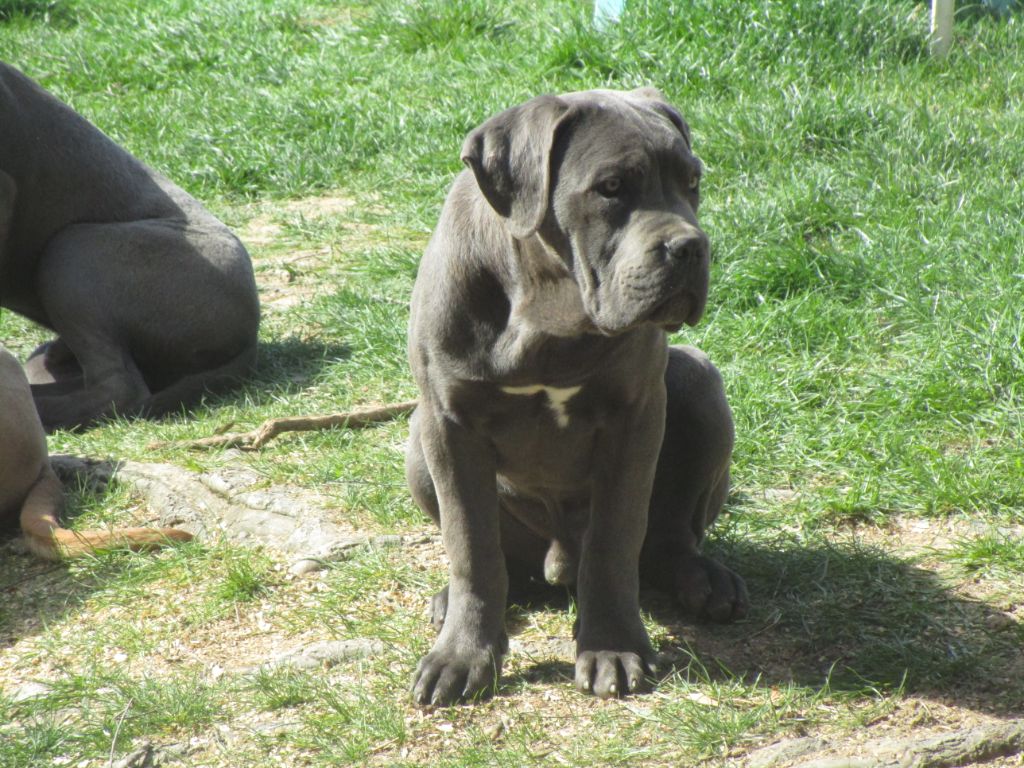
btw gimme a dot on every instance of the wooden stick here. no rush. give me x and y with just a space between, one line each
268 430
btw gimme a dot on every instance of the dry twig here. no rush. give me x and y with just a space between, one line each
268 430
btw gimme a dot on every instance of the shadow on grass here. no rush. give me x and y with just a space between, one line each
37 593
26 606
852 617
283 367
292 364
842 615
55 13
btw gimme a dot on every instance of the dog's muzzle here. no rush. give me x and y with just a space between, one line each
687 256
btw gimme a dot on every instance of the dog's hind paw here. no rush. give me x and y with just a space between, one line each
707 589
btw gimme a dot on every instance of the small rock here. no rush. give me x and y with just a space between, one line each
697 697
275 727
306 566
143 757
344 547
494 731
328 653
1000 621
783 752
333 651
780 495
29 691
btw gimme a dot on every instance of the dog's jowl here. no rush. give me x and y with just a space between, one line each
558 436
152 298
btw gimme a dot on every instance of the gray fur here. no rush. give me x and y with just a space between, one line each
152 298
563 254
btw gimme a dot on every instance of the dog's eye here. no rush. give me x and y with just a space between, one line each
694 182
610 187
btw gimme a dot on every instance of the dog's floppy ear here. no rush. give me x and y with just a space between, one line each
664 108
510 155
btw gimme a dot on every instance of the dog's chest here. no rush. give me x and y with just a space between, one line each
557 398
543 435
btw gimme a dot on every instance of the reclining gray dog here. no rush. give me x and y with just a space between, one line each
563 254
152 298
30 492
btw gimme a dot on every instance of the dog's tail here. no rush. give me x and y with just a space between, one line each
189 390
47 539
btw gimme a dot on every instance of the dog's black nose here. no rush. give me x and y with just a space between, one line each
689 247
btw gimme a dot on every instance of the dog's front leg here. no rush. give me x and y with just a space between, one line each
614 655
465 662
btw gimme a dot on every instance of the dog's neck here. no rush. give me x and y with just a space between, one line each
545 297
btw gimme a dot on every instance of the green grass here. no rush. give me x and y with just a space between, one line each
990 555
865 207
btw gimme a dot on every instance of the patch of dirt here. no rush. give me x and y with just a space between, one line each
288 271
964 741
268 225
282 280
332 18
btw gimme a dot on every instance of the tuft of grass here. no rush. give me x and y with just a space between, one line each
989 556
244 579
106 709
283 688
353 727
436 25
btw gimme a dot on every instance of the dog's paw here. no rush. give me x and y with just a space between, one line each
707 589
448 675
611 674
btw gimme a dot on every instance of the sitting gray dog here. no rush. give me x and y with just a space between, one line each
153 299
538 340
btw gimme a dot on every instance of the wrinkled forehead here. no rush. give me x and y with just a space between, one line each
612 127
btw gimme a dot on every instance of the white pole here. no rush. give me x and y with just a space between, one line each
607 11
941 37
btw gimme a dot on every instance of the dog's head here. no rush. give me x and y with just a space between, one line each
608 180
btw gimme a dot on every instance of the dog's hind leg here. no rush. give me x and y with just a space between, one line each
108 381
82 302
115 388
53 363
690 487
151 311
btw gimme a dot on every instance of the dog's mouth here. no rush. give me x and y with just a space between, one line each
682 308
670 314
681 304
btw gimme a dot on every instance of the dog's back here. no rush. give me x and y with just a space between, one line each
76 172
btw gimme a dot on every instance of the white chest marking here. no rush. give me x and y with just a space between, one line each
558 398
